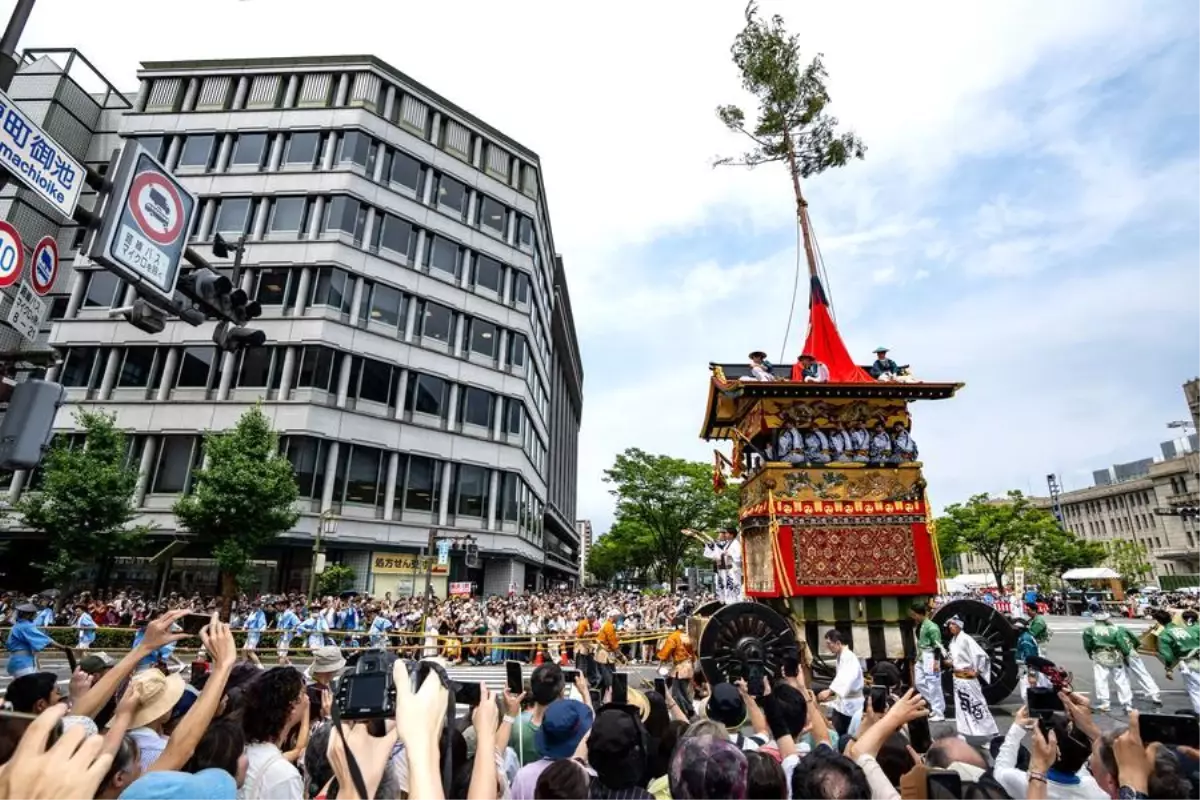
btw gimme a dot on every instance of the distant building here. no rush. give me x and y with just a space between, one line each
584 528
1191 390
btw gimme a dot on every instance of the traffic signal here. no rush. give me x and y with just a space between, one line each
28 424
471 556
233 339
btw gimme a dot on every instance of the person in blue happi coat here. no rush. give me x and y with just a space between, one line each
25 641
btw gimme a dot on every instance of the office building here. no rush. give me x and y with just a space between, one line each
422 366
584 529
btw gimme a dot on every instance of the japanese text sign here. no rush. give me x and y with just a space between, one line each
145 224
382 563
37 160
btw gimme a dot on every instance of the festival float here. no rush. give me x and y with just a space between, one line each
835 524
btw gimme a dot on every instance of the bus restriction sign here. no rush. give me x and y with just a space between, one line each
45 265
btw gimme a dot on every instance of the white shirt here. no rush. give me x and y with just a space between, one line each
1016 781
150 746
847 685
270 776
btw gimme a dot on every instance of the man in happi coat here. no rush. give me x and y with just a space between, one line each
1108 650
971 665
1179 648
926 673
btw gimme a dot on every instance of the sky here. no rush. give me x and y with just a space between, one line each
1025 220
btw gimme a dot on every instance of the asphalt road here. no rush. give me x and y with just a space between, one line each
1065 649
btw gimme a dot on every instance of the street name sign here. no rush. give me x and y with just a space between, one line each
38 161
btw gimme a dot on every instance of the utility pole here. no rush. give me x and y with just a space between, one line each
8 42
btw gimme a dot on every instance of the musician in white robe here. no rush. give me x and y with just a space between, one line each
970 664
845 692
726 555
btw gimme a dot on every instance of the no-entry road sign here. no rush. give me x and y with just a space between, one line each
145 225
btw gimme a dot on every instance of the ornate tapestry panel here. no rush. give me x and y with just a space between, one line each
856 555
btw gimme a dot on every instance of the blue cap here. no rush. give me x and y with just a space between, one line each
564 725
207 784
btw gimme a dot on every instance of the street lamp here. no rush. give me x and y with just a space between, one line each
327 525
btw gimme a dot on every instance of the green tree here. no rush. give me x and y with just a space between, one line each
793 126
627 549
1130 559
999 530
664 495
1057 551
84 503
336 579
243 498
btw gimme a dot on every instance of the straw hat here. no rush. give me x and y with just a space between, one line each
157 695
638 700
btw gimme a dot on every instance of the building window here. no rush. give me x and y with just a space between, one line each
175 460
525 232
199 368
272 286
472 494
198 152
345 214
509 488
406 172
102 288
427 394
395 236
362 477
250 150
256 368
307 455
317 368
484 338
233 216
287 215
437 322
332 289
452 195
77 368
514 413
58 307
357 148
154 145
302 149
488 273
443 256
521 288
387 306
423 484
516 349
476 407
492 215
137 368
376 383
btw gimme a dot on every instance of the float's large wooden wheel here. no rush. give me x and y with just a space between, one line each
745 640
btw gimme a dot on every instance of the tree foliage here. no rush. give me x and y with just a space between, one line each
626 550
657 498
243 498
336 579
793 124
1129 558
1057 551
999 530
84 503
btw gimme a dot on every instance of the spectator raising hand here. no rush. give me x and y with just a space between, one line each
419 719
72 767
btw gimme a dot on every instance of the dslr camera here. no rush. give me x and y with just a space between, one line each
366 689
